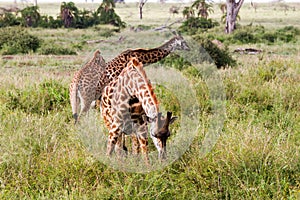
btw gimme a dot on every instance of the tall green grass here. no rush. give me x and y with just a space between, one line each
257 155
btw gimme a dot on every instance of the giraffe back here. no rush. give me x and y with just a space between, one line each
131 90
87 84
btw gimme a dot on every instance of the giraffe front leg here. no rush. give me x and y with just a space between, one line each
142 135
135 144
112 140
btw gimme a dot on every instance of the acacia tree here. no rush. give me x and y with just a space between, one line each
233 8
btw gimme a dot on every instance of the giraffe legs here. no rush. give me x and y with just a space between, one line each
142 140
112 140
135 144
116 141
120 147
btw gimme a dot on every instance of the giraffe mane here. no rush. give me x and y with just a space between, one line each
139 68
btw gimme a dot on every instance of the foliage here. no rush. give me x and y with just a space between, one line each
257 155
258 34
175 61
39 99
14 40
220 57
108 15
70 17
203 8
50 22
195 24
30 16
9 19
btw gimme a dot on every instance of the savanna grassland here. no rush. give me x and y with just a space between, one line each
257 155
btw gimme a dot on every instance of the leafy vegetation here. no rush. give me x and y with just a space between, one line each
39 99
257 155
17 40
70 17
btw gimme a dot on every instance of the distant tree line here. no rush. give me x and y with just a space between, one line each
70 17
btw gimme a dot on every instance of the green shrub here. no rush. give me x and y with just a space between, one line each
50 22
9 19
256 34
40 99
175 61
244 37
30 16
195 24
221 57
16 40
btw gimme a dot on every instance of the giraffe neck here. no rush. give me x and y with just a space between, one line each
136 84
149 56
145 56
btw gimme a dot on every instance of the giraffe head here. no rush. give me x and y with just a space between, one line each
159 131
178 43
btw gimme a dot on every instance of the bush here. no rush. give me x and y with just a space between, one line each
50 22
39 99
220 57
194 24
31 16
244 37
17 40
9 19
256 34
175 61
70 17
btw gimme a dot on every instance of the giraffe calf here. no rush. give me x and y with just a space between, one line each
87 85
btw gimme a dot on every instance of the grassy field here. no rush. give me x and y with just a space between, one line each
256 156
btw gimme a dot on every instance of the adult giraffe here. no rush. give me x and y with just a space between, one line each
119 117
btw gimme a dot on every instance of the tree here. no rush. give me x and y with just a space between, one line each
68 13
203 8
233 7
31 16
141 5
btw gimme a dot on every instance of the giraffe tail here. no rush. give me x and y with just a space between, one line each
74 100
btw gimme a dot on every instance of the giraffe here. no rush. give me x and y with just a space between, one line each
145 56
87 85
117 105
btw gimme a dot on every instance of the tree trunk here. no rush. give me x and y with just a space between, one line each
141 4
233 8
